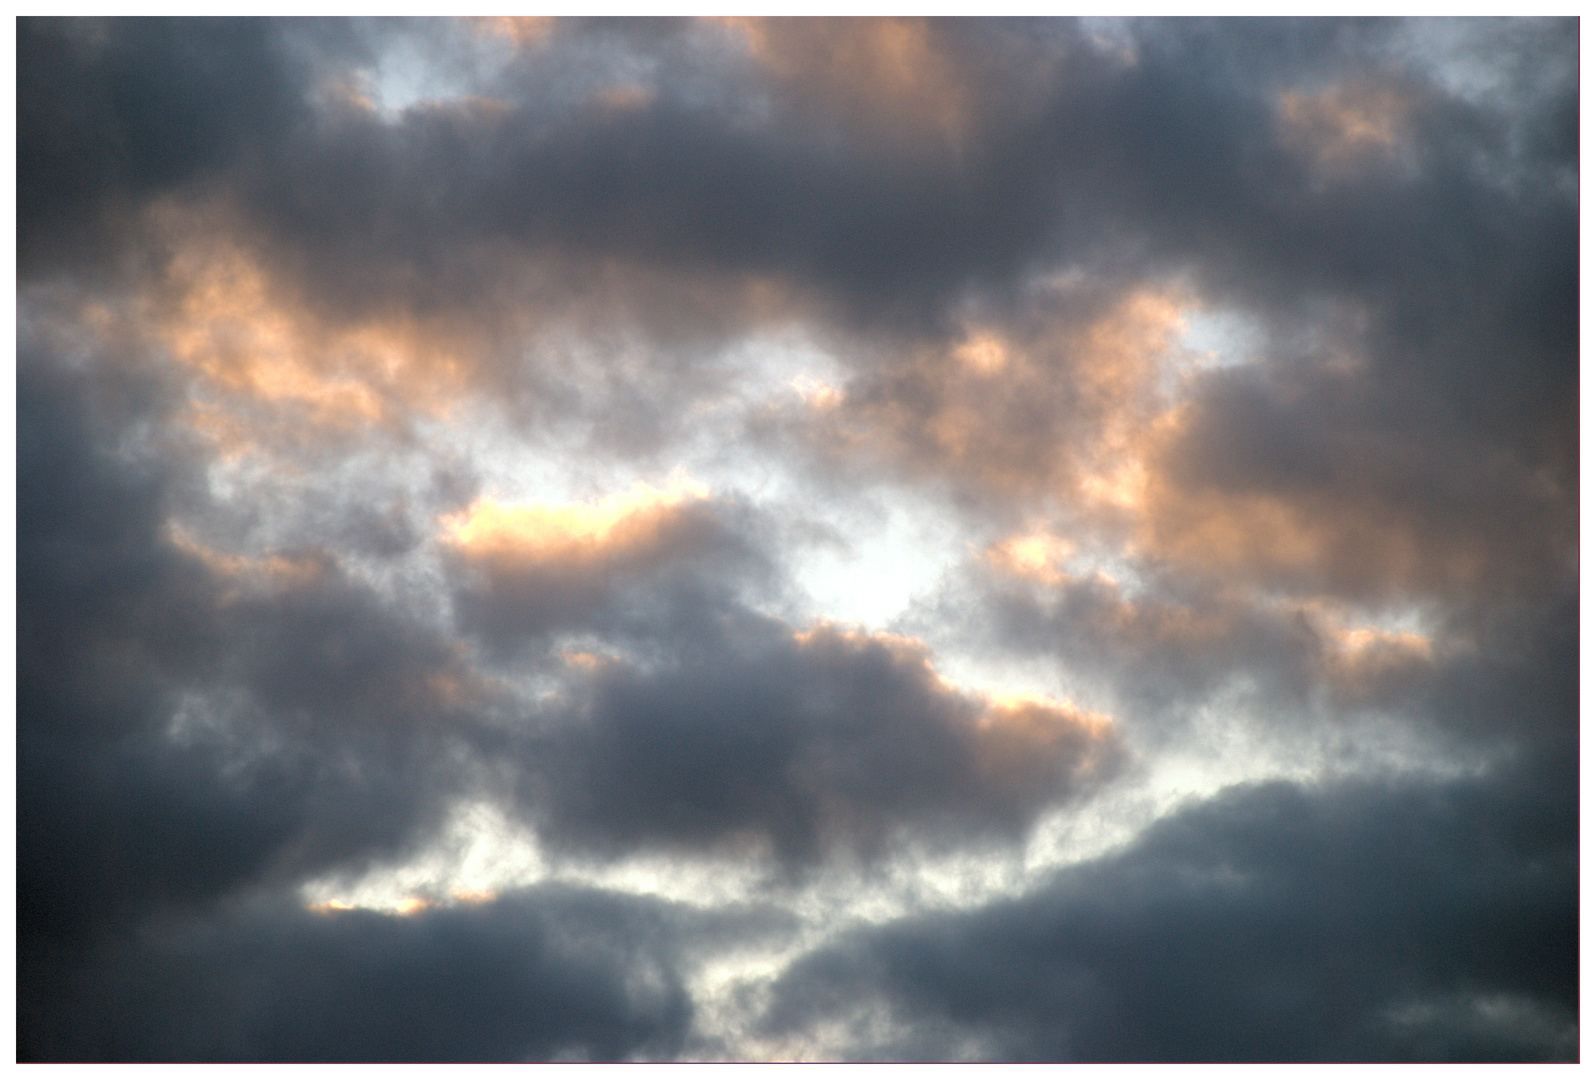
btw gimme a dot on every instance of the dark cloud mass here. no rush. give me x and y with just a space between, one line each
629 539
1371 922
117 811
829 738
577 977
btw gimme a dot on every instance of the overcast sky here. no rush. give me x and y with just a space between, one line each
719 539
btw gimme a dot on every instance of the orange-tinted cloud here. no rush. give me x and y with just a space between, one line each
271 370
626 524
1314 539
1033 555
1092 422
522 30
1061 408
1025 742
257 573
1368 665
1155 654
277 363
892 75
1346 127
525 571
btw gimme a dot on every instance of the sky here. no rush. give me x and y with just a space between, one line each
720 539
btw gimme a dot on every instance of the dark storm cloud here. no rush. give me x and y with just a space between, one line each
1521 686
677 180
1401 921
547 974
92 590
813 743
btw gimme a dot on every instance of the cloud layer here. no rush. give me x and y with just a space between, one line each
918 539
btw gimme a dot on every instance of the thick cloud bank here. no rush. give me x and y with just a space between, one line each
735 539
1273 923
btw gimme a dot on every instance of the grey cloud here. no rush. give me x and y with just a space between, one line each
716 725
320 729
1177 149
680 183
1490 675
192 726
538 975
315 734
1408 504
1156 654
671 182
1519 684
1468 278
1454 415
817 744
112 112
1469 281
1382 922
671 582
90 611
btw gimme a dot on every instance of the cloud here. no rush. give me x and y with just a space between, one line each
489 531
638 562
1048 406
877 79
189 723
1344 127
813 743
1158 649
1308 484
1360 922
117 111
555 974
426 423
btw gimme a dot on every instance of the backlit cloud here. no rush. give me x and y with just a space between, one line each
911 539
